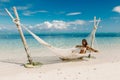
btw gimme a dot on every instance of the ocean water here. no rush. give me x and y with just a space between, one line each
104 41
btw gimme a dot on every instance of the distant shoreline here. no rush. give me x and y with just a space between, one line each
61 35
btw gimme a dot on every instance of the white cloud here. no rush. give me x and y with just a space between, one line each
115 18
91 21
58 24
116 9
74 28
4 0
77 22
100 26
29 13
22 7
73 13
55 24
30 26
2 27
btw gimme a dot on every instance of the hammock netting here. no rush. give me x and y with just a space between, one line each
70 53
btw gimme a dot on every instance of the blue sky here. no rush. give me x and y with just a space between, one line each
62 15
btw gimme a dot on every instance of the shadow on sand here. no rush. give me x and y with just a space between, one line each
45 60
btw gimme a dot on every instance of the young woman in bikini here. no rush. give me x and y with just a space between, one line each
84 47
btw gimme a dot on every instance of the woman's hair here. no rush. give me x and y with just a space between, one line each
84 40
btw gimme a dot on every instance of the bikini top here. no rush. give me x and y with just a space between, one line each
83 49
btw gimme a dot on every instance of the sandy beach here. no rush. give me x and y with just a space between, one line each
48 31
100 68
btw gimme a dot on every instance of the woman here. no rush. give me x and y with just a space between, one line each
84 47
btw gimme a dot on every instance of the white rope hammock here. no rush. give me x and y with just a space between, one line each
71 53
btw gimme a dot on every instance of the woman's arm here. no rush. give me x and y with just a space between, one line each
78 46
91 49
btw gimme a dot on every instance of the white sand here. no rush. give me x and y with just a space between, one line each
62 71
102 68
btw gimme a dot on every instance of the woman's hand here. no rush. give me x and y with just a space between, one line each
77 46
95 50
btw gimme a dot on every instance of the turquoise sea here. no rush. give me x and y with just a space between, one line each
64 40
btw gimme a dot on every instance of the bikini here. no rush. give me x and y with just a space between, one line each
83 50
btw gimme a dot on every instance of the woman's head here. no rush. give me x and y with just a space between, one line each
84 42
